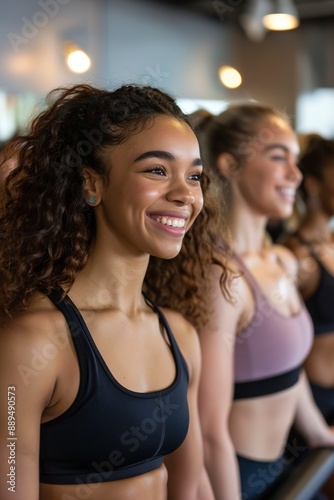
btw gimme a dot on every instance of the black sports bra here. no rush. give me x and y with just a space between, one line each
110 432
320 303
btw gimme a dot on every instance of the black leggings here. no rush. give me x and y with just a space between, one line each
259 477
324 399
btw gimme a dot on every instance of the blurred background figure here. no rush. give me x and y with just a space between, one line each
253 386
313 244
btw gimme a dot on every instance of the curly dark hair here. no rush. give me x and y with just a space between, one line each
46 226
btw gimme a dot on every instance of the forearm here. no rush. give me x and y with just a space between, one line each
197 488
309 420
205 491
223 470
20 481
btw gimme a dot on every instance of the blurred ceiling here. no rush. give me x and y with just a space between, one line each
230 10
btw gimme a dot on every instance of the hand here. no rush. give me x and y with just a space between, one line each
325 440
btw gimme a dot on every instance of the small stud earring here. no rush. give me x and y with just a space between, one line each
92 200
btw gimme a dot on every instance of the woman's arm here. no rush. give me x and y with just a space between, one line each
216 390
187 478
25 378
309 420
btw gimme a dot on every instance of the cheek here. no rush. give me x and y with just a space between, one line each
256 177
143 195
255 187
199 203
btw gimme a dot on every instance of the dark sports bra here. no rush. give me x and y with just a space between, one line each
320 303
271 349
110 432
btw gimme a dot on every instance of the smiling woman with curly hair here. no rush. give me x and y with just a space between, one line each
105 190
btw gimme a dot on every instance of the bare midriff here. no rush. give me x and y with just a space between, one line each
259 426
149 486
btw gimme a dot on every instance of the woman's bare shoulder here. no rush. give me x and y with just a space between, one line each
30 342
36 323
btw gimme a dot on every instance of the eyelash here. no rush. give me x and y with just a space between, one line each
199 176
162 170
156 169
277 157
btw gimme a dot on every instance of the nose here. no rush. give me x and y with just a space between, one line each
295 173
180 193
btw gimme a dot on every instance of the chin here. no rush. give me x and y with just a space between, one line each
167 254
281 214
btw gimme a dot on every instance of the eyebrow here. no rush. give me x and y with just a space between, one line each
164 155
274 146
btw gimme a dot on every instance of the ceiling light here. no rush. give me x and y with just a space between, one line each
230 77
282 16
77 60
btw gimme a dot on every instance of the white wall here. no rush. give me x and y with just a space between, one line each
143 41
32 35
128 40
170 48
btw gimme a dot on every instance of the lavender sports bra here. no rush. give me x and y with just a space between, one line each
269 352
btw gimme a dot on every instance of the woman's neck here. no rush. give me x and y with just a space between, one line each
111 281
247 229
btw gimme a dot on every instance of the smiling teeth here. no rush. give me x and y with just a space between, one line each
288 191
171 222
